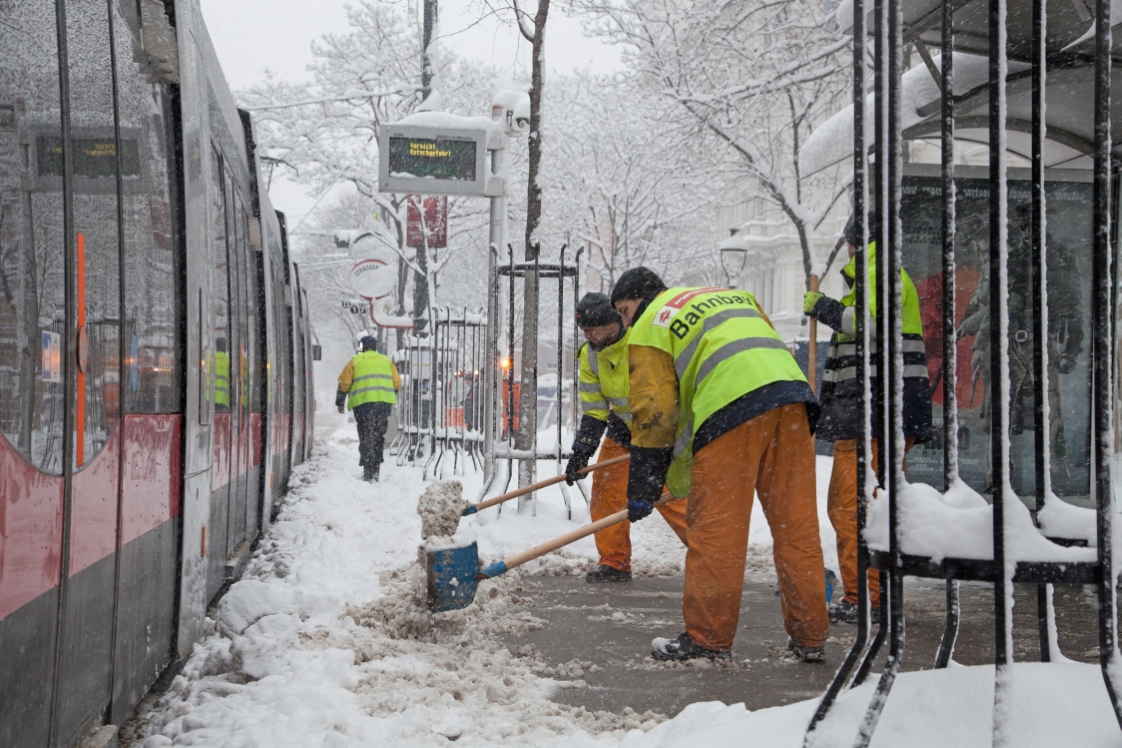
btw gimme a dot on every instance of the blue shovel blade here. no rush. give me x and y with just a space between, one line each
451 577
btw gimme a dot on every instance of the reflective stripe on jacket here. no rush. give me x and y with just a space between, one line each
721 346
603 382
373 380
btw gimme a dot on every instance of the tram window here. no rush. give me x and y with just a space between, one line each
32 239
97 257
220 365
152 366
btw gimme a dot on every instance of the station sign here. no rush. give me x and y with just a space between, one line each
435 224
373 279
433 159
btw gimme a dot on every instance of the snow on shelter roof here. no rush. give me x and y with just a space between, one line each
1069 91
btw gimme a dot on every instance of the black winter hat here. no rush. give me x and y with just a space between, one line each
851 228
638 283
595 310
369 343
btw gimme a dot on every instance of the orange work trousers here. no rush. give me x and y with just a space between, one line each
841 506
771 455
609 495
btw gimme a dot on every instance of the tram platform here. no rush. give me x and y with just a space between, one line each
596 639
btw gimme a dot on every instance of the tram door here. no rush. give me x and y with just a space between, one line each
230 482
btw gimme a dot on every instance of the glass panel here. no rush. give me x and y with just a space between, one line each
220 370
94 146
151 361
233 337
32 240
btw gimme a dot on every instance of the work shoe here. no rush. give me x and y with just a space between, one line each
842 611
607 574
684 648
813 655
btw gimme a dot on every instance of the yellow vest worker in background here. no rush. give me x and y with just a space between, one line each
603 386
840 399
721 410
368 385
221 376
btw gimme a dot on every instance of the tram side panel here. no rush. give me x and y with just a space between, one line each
198 426
124 394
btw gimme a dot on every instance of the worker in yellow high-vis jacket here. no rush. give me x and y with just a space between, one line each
368 385
841 398
603 388
720 410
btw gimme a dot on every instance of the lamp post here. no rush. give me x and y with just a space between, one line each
734 254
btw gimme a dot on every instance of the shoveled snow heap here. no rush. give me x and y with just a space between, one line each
441 506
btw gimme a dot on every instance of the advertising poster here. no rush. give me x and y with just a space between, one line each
1068 335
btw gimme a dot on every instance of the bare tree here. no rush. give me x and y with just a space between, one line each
754 75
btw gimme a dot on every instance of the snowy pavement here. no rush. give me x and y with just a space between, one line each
326 642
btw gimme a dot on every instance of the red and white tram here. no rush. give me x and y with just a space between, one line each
155 354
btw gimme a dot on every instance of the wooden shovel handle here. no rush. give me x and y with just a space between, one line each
570 537
539 485
812 347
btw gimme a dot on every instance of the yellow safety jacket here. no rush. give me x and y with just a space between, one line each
721 346
373 381
603 381
222 379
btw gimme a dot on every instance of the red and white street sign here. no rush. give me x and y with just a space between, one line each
436 221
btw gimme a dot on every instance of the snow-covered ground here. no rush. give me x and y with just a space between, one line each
326 642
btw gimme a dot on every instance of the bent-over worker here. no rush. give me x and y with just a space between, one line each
603 386
369 384
840 398
721 410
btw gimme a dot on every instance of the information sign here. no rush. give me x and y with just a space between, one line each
372 279
433 159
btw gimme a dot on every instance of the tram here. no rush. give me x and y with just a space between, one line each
155 354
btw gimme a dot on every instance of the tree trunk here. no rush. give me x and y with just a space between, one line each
528 400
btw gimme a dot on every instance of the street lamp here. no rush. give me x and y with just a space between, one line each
734 253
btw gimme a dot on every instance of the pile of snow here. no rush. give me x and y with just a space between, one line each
959 524
441 506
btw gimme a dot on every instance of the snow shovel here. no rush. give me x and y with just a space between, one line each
453 574
539 485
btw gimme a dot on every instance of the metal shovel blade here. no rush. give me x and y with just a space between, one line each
450 573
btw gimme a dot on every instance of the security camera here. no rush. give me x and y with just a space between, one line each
513 108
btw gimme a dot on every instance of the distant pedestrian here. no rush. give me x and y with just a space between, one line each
841 396
720 410
603 387
368 385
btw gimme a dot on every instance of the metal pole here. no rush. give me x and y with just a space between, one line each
1039 301
495 240
860 164
1103 321
950 342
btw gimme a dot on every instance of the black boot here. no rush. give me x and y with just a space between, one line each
684 648
607 574
377 472
369 473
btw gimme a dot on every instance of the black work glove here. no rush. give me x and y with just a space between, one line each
637 510
578 462
645 477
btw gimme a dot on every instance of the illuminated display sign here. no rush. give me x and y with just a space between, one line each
432 159
93 157
436 159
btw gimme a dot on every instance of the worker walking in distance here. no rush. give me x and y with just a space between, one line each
840 398
603 385
721 410
368 385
